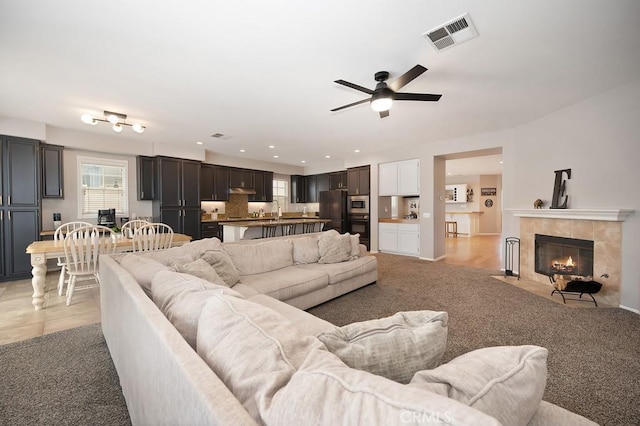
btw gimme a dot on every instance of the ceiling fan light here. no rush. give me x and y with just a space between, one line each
138 128
88 119
381 104
117 128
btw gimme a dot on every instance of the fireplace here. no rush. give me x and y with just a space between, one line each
563 256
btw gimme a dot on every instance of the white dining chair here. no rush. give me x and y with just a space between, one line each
153 236
59 235
82 248
129 228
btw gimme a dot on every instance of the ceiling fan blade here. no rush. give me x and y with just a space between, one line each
416 97
384 114
407 77
355 86
350 105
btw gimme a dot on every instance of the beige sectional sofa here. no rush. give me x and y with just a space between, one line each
192 349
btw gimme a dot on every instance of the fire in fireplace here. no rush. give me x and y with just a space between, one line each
563 256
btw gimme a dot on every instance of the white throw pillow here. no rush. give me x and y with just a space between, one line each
505 382
200 268
355 246
223 265
305 250
180 297
324 391
143 269
395 347
334 248
253 349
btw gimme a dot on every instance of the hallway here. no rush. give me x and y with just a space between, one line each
481 251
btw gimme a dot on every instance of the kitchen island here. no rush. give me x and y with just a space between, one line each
251 229
468 222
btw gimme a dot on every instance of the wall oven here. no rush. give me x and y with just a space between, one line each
359 224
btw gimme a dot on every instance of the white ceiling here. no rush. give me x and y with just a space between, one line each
262 72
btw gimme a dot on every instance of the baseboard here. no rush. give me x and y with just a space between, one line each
626 308
433 260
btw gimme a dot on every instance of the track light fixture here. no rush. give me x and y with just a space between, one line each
116 120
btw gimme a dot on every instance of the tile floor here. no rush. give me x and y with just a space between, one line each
20 321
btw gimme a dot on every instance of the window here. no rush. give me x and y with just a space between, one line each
281 192
102 184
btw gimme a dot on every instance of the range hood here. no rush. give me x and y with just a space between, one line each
245 191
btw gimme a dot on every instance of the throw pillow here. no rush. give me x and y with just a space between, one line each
200 268
253 349
334 248
305 250
223 265
355 246
505 382
394 347
143 269
180 297
324 391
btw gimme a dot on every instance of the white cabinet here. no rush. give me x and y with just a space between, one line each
456 193
399 178
400 238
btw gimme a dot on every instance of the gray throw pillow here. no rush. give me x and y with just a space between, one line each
395 347
223 265
200 268
143 269
334 248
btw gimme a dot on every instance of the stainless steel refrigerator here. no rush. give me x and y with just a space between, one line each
333 206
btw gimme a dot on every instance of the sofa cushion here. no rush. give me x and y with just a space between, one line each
253 349
325 391
196 249
287 283
305 250
180 297
395 347
334 247
505 382
169 256
143 269
339 272
223 265
201 269
266 256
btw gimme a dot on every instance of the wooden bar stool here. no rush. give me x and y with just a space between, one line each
451 229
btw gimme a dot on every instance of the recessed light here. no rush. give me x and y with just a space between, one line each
271 146
449 173
501 162
276 156
242 150
303 161
199 143
356 150
327 156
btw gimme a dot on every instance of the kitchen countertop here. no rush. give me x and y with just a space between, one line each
255 222
397 220
252 219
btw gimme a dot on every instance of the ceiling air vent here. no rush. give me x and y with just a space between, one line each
452 33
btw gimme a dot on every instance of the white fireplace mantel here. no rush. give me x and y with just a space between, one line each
610 215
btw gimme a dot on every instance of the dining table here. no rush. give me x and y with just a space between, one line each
41 251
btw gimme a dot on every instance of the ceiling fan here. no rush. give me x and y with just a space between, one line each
384 95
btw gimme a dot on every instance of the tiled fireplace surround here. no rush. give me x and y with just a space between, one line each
603 227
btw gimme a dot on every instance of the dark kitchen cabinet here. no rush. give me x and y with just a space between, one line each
322 184
298 189
241 178
52 171
263 185
206 182
146 177
19 204
358 179
211 230
311 192
338 180
178 200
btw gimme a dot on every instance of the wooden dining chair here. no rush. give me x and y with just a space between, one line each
152 236
130 227
59 234
82 248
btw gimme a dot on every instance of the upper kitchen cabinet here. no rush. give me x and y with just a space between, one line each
358 180
322 184
311 195
241 178
52 171
399 178
263 185
214 183
20 172
298 189
146 177
338 180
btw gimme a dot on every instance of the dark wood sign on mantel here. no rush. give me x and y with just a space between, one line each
559 188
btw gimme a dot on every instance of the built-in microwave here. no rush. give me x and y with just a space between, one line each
359 204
